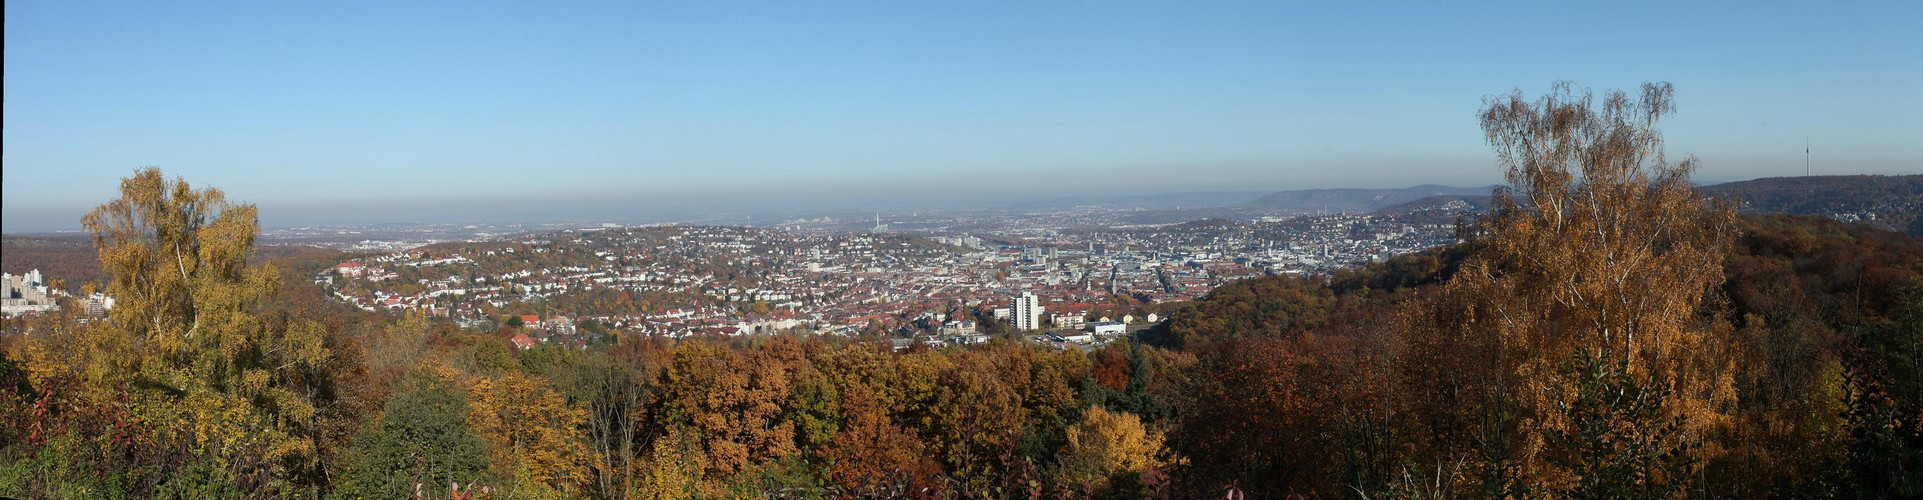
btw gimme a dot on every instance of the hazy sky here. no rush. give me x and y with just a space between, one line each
332 111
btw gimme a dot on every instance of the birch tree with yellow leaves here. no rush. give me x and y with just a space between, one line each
530 427
185 348
1581 326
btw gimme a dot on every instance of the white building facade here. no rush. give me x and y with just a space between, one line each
1025 311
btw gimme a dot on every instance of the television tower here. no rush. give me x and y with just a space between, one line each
1805 156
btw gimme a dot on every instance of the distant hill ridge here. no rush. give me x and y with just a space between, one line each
1891 202
1359 200
1888 202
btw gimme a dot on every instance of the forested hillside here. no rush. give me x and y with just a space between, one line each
1826 320
1892 202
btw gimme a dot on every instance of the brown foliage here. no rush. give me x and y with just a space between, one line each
1599 248
873 457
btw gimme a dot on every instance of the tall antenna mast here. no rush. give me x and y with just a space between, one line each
1806 156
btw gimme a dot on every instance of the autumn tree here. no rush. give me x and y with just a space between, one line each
873 457
395 348
1598 253
974 419
187 348
615 389
732 401
673 468
531 430
1106 445
1054 397
1250 415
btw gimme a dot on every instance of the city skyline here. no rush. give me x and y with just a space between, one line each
354 113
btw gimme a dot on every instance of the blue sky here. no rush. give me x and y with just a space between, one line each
312 108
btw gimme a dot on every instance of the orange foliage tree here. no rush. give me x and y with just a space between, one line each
530 427
1596 261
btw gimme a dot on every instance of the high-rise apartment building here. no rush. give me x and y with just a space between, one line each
1025 311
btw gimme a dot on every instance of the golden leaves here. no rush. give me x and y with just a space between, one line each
527 424
1106 443
1600 248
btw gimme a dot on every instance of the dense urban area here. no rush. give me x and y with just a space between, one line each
681 280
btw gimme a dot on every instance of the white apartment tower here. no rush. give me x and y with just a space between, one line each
1026 311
